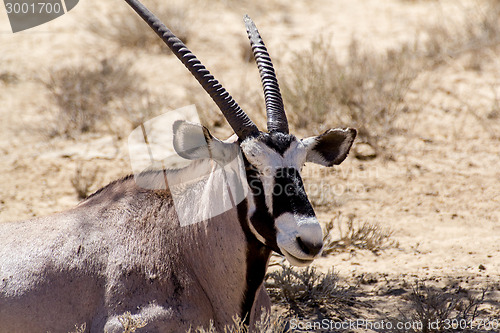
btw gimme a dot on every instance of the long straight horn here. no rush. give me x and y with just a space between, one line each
276 117
235 116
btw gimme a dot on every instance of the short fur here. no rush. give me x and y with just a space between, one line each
121 250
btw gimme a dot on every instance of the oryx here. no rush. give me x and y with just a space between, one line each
123 249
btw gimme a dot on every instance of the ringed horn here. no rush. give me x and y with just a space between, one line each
236 117
276 117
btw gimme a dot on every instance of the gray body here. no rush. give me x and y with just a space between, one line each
121 250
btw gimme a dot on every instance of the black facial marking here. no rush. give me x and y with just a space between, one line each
256 263
289 195
277 141
261 219
257 253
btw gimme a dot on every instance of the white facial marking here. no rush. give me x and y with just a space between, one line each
289 227
265 158
251 210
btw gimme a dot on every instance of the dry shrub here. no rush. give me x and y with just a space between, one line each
123 26
83 95
474 40
366 91
93 99
355 235
436 310
306 292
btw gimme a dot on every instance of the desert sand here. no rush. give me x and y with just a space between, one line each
436 185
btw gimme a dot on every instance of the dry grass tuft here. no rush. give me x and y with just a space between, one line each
129 324
359 235
124 27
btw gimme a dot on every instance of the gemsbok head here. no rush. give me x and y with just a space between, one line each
123 249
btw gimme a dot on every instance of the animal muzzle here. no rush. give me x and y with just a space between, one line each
299 238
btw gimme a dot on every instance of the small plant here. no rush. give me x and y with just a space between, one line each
368 90
83 95
351 234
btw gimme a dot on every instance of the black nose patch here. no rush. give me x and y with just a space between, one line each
289 195
309 248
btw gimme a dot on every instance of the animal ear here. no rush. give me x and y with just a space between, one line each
330 147
194 141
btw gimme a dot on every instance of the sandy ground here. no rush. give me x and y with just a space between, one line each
439 192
